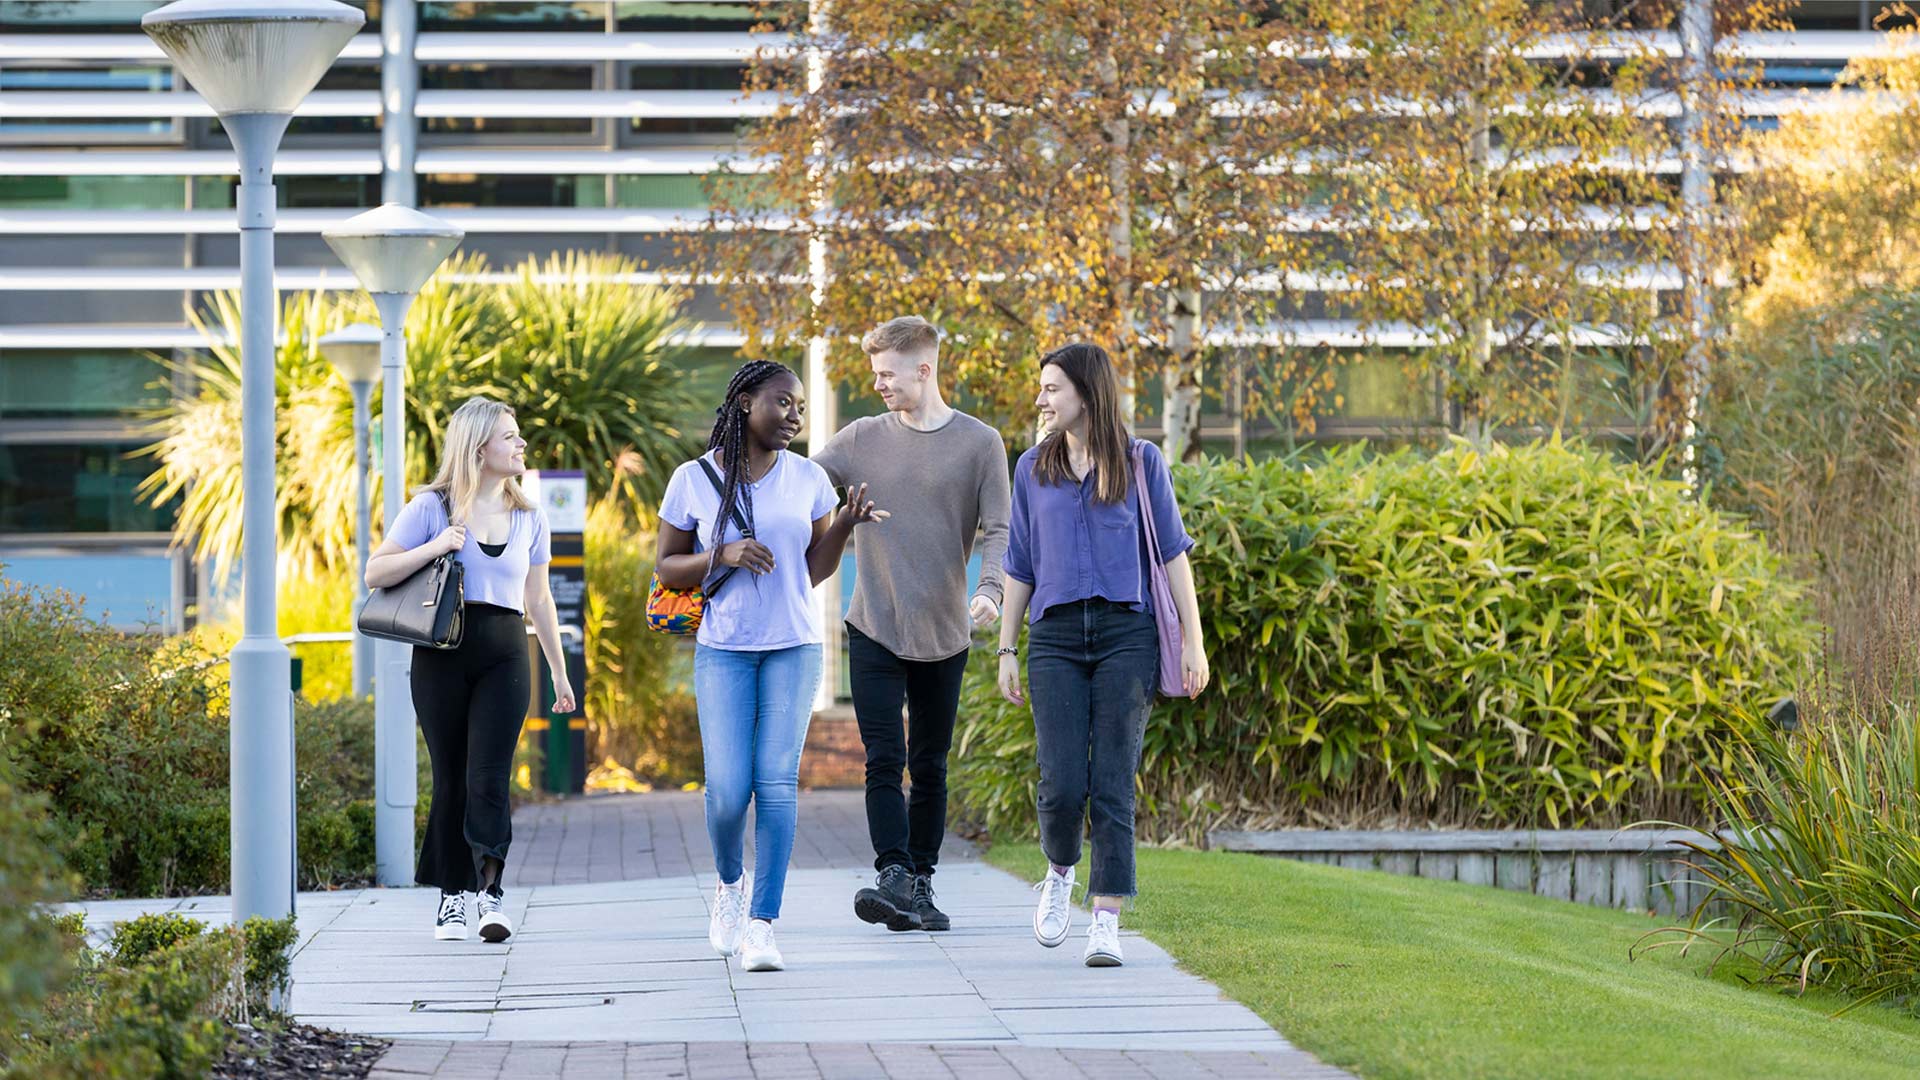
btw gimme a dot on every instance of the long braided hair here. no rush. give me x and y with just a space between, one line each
730 438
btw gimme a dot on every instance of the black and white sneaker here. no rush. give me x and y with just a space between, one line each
451 923
495 927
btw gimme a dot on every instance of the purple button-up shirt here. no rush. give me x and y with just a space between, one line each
1070 546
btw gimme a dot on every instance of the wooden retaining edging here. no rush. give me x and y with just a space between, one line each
1630 869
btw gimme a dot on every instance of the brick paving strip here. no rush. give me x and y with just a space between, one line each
609 973
829 1061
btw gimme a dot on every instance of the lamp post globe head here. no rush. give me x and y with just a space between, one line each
393 248
253 56
354 351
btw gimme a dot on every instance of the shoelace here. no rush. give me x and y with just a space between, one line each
922 891
1058 901
453 908
1069 890
489 903
759 934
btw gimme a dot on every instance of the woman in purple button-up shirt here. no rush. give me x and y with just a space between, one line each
1077 557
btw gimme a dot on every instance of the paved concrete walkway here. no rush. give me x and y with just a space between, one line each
613 978
664 834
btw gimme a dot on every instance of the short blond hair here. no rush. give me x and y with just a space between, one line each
906 334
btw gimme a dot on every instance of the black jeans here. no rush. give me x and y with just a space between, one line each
906 830
471 702
1092 669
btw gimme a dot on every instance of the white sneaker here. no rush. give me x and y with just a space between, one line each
758 952
451 923
729 918
495 927
1053 919
1103 940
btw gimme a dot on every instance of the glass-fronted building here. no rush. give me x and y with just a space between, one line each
543 126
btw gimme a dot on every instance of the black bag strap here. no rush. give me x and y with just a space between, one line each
738 519
721 489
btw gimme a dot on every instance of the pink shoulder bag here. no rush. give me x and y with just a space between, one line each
1166 616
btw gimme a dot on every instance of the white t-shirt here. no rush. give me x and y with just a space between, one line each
754 612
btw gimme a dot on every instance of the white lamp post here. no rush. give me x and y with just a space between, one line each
253 63
393 250
354 351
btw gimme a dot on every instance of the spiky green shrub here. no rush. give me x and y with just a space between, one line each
1817 876
592 363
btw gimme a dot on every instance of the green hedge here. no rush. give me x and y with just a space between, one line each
157 1000
125 736
1529 636
33 961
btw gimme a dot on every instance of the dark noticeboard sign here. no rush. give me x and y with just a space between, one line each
563 737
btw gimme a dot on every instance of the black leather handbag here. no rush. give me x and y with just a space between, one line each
426 609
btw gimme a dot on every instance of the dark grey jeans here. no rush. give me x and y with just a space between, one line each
1092 668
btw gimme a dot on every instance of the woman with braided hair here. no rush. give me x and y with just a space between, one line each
755 524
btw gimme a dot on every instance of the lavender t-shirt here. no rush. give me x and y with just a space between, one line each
1070 546
758 612
500 580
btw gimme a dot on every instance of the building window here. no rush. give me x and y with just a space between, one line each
1849 15
130 590
68 16
76 488
82 79
667 192
1800 76
727 77
507 77
511 189
65 16
687 77
491 15
1382 388
709 18
93 192
61 383
347 192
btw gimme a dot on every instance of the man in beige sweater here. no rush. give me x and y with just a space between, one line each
943 474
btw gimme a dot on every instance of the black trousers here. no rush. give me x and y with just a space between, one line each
471 702
906 830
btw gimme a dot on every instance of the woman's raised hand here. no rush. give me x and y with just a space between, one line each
451 539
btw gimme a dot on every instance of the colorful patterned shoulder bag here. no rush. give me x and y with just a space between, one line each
679 611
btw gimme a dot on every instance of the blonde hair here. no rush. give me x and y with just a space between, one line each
906 334
459 477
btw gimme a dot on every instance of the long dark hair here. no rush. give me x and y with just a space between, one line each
1090 371
730 438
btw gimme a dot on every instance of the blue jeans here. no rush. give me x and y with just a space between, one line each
754 711
1092 669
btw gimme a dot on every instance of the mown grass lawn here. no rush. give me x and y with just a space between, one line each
1402 977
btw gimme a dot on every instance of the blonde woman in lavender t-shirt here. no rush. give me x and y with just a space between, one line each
471 700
